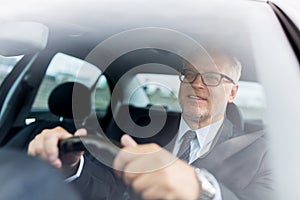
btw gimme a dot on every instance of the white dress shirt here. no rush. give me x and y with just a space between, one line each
78 172
204 140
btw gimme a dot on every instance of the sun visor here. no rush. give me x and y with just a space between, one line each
21 38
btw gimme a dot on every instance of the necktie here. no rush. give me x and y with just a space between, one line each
185 148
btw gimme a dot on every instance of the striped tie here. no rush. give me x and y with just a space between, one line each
185 148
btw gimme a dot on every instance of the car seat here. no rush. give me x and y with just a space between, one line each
234 115
70 101
140 116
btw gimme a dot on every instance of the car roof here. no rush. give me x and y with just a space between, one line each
77 28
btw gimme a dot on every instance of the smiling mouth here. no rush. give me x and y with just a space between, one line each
197 98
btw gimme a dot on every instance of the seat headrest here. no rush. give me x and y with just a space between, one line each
70 100
235 116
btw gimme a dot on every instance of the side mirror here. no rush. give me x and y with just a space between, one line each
20 38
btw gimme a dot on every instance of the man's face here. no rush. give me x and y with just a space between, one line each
202 105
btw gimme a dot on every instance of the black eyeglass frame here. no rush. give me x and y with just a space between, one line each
182 77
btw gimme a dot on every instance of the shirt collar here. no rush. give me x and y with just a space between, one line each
205 135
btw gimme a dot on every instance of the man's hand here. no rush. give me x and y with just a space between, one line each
154 172
45 146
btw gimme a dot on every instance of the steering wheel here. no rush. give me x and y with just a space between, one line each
103 149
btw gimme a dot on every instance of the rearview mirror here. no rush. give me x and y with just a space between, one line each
20 38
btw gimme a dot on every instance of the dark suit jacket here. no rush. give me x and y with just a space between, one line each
238 161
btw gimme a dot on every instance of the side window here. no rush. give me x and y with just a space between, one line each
64 68
6 65
251 100
163 90
102 94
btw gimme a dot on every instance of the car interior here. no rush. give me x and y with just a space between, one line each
61 103
70 106
112 72
121 86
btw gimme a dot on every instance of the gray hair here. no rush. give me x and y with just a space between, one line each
235 63
237 67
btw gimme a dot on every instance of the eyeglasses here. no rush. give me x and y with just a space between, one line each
212 79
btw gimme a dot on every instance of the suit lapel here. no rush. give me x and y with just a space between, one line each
224 133
228 144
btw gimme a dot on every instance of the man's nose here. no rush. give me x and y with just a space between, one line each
198 82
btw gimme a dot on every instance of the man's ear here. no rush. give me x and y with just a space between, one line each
233 93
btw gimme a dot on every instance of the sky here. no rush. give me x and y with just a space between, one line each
294 3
